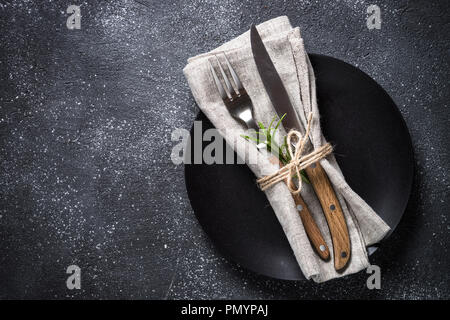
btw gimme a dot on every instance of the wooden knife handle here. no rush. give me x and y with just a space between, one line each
333 213
311 228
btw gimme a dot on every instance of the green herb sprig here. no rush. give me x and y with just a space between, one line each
266 136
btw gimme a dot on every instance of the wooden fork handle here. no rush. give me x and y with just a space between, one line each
333 213
311 228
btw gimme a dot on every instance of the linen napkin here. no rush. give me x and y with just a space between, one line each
286 49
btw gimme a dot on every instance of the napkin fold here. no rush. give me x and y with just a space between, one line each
286 49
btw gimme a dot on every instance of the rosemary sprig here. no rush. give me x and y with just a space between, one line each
266 136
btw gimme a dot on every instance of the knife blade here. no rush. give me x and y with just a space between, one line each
317 176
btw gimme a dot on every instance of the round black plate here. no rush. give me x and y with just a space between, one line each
372 147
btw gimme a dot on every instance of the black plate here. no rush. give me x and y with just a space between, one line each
372 147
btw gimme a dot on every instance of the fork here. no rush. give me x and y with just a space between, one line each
240 106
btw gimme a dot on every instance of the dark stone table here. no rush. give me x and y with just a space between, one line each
85 136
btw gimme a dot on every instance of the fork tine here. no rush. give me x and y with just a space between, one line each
238 83
218 83
229 88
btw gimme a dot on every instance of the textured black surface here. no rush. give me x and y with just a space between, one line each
360 120
85 123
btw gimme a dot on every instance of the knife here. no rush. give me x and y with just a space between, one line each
316 175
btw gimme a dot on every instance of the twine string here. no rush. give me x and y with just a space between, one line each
298 161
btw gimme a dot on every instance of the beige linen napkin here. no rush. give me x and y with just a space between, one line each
287 51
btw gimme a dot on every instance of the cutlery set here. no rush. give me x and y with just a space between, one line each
240 106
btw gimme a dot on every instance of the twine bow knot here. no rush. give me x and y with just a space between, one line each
298 161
